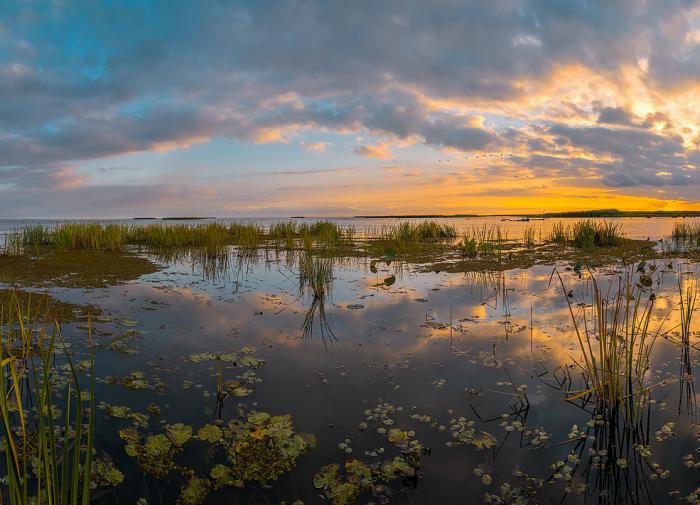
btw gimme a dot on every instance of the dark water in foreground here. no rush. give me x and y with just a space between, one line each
429 348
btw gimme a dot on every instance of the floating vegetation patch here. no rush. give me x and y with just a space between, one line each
44 306
259 448
136 381
124 412
73 269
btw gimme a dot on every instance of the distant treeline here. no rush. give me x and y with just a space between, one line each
577 213
416 216
623 213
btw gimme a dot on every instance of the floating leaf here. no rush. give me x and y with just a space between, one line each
210 433
179 433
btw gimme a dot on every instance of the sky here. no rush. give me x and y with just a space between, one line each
339 108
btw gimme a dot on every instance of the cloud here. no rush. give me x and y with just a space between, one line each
380 151
602 90
315 147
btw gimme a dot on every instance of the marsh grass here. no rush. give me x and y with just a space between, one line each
688 298
586 234
316 280
616 342
43 457
686 234
529 236
408 237
12 244
609 455
559 234
486 240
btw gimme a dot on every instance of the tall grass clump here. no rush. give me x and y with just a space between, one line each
586 234
687 234
12 244
212 235
245 235
483 240
616 342
36 235
407 235
91 236
529 236
316 279
286 231
323 232
688 298
559 234
44 459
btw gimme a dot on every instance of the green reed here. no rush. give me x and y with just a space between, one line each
483 240
529 236
586 234
559 234
616 342
12 245
43 464
686 233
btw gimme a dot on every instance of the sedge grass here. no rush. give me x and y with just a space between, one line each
529 236
616 342
43 464
586 234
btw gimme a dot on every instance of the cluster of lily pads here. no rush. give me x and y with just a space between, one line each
258 448
342 485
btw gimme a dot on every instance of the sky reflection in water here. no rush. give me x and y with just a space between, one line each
436 344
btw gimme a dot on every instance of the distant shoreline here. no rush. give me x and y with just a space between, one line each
574 214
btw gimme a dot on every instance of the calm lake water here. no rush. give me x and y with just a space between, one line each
430 348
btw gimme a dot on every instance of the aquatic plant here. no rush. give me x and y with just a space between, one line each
529 236
486 240
344 486
686 234
92 236
588 234
559 234
12 244
688 297
408 237
468 247
616 343
259 448
610 457
45 461
316 280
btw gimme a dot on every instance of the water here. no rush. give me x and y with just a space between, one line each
438 346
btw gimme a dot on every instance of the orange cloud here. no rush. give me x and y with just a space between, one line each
380 151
